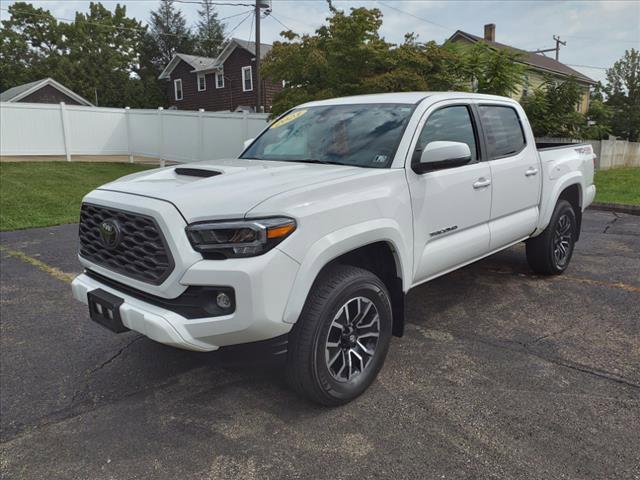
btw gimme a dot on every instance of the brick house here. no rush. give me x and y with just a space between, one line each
538 66
225 83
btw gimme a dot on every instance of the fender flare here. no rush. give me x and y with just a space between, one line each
337 243
546 210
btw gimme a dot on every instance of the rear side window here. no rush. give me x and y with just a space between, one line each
503 130
450 124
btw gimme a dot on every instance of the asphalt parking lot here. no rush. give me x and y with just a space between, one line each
501 374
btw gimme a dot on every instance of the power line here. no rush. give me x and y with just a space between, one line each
272 16
139 30
605 40
586 66
200 2
228 35
416 16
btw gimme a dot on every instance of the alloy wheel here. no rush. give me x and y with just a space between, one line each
352 339
562 241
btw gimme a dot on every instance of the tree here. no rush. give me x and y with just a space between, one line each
103 50
599 115
623 90
210 31
168 35
97 55
491 71
347 56
31 46
551 109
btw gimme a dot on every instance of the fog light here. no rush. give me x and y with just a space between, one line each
223 300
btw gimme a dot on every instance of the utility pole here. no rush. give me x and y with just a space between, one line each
258 81
556 49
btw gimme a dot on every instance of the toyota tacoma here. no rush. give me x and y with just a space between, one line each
307 243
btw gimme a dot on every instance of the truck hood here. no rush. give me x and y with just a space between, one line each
225 188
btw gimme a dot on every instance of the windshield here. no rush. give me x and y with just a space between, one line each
364 135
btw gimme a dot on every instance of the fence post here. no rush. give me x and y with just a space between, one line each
127 110
200 134
161 142
245 125
65 130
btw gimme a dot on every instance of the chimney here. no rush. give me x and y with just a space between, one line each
490 32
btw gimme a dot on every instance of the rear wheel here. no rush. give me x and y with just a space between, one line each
550 252
341 339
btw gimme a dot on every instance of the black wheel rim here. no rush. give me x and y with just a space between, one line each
352 339
562 241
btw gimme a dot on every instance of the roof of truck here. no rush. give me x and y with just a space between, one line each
402 97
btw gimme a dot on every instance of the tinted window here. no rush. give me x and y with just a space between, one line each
365 135
502 128
450 124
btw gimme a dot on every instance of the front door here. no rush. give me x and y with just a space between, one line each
515 175
451 207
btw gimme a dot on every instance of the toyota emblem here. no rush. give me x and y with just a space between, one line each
110 234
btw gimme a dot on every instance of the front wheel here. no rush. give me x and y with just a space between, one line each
550 252
341 339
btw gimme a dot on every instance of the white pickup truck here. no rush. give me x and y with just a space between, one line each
308 242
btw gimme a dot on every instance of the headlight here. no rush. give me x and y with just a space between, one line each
239 238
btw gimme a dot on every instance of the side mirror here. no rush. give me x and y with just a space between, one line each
439 155
248 142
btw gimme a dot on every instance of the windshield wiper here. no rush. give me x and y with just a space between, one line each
315 160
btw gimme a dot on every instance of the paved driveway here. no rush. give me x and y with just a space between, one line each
501 374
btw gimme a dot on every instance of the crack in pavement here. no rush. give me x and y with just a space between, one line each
551 334
116 355
610 223
556 361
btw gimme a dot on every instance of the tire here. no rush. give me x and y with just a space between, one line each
550 252
322 339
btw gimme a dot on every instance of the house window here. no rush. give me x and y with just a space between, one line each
219 79
177 88
202 82
247 79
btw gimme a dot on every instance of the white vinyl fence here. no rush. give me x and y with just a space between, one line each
177 135
610 153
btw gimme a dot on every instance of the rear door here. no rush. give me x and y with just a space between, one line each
451 206
515 173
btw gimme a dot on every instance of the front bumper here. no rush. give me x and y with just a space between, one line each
262 286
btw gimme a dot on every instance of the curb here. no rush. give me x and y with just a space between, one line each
616 207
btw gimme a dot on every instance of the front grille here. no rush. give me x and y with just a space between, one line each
141 251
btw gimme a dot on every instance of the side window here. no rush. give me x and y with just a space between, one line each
247 79
177 88
449 124
503 130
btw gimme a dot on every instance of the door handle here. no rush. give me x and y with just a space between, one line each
481 183
531 171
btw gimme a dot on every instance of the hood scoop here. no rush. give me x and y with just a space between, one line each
196 172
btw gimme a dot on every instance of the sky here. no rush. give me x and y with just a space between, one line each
597 32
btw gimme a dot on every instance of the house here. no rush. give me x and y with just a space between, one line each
46 90
215 84
538 66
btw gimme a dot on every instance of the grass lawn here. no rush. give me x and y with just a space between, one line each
40 194
618 185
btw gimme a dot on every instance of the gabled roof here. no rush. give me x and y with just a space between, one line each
535 60
208 64
17 93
